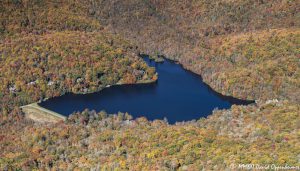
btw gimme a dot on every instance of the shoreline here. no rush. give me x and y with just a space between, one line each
42 117
206 83
231 99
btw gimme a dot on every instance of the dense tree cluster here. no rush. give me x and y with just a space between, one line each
34 67
260 65
186 31
46 59
40 16
265 133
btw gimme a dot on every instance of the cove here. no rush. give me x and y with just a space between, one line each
178 95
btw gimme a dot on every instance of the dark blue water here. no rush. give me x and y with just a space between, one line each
178 95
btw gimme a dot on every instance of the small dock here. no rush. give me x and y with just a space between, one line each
39 114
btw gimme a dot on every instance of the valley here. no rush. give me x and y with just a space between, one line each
247 50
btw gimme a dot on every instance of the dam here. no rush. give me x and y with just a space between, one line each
39 114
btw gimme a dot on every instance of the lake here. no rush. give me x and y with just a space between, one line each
178 95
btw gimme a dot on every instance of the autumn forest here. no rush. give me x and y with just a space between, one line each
247 49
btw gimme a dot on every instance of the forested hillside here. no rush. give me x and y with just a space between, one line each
257 65
242 48
39 16
191 31
263 134
55 53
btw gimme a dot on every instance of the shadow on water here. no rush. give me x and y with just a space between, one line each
178 95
